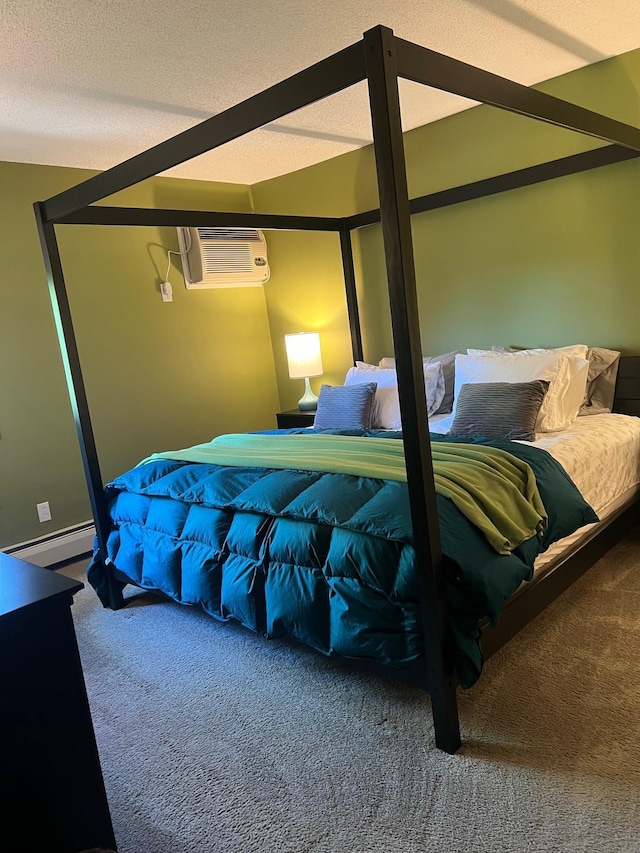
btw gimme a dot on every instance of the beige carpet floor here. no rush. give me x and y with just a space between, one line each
218 741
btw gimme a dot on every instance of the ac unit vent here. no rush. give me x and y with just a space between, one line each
230 234
223 257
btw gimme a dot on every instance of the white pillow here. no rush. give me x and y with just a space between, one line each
370 373
574 393
573 349
566 374
386 409
433 385
447 360
386 412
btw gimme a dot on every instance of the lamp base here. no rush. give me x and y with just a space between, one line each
308 402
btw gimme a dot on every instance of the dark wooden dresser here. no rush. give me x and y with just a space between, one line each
52 795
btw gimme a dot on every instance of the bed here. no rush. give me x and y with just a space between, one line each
306 533
326 557
380 58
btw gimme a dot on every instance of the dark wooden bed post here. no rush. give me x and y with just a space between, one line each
398 248
350 290
75 383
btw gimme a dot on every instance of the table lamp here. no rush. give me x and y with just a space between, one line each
303 356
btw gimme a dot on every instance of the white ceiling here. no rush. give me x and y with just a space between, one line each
92 83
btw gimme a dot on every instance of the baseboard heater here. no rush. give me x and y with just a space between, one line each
68 544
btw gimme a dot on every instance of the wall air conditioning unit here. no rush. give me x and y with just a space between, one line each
223 257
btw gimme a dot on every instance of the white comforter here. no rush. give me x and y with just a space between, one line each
601 454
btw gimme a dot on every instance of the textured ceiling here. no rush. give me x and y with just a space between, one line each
90 84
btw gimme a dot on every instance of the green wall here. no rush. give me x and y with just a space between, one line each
158 375
551 264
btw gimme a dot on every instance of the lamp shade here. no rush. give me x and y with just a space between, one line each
303 354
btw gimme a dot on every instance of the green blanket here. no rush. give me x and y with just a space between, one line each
495 490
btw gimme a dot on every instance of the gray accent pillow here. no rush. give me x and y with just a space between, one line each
499 409
601 380
448 362
345 406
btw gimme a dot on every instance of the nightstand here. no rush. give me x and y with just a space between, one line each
295 418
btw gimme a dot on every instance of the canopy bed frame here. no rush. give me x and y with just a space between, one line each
380 58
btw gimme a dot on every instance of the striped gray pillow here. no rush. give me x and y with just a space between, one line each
345 406
499 409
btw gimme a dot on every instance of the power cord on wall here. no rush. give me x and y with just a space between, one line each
165 287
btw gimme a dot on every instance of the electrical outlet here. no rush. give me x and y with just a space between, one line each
44 513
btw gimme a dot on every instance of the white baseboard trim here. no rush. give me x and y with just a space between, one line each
67 544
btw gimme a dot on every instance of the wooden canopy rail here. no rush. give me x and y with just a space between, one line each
380 58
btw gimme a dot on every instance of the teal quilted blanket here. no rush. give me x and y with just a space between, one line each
324 557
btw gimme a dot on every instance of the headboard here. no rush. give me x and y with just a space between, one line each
627 396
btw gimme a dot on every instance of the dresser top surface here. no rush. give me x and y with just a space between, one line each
23 584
